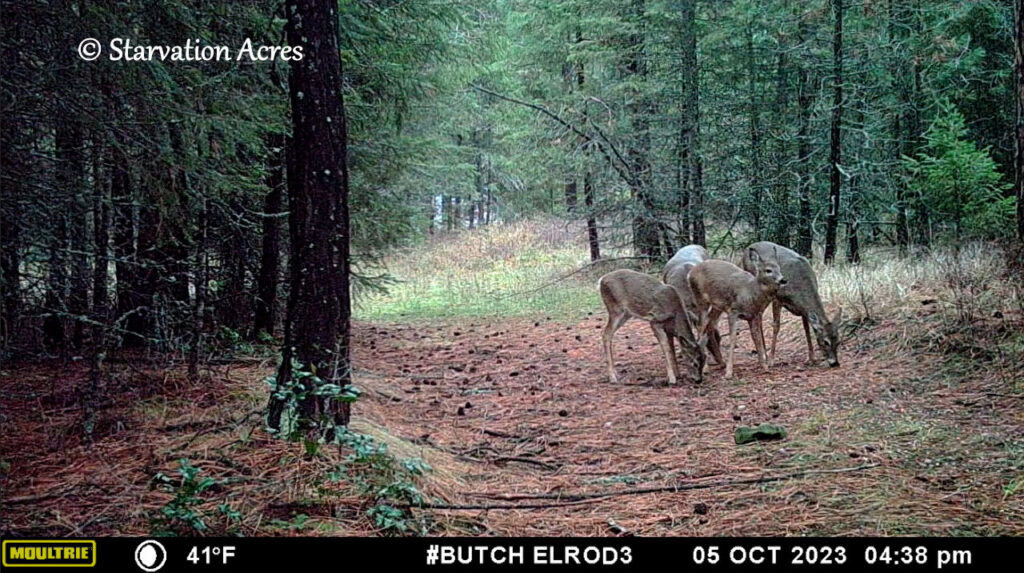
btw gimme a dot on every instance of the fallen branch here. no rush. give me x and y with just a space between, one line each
567 499
577 271
540 463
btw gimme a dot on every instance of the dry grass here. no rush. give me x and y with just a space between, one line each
490 271
928 402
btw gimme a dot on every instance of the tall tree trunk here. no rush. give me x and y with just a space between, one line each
754 111
898 33
202 279
588 175
58 287
94 391
265 318
782 216
319 307
1018 73
805 234
71 181
692 194
835 150
13 171
646 239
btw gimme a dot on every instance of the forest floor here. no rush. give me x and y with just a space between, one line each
503 410
485 364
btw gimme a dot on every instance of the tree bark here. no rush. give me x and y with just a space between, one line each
805 234
692 192
835 150
319 307
1018 73
265 319
13 171
782 217
754 111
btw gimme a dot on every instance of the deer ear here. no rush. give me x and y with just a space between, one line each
753 256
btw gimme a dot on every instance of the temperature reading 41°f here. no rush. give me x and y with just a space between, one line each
209 555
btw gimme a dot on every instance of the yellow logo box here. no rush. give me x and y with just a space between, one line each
49 553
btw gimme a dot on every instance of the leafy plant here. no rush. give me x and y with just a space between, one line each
182 514
302 383
390 482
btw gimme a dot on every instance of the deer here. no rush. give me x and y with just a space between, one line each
722 287
799 296
676 273
631 294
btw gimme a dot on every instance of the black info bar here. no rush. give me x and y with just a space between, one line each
511 553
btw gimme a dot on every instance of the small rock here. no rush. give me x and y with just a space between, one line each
700 508
563 413
461 411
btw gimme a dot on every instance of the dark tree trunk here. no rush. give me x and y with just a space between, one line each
898 32
94 391
835 150
692 191
58 286
233 301
754 111
202 279
132 300
1018 73
783 218
71 183
270 258
646 239
805 235
319 308
13 167
588 176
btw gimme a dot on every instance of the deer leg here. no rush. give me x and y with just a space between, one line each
714 338
757 333
776 322
810 343
732 344
670 355
615 321
715 341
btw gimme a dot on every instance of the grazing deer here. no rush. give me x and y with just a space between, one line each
720 286
799 296
676 273
629 294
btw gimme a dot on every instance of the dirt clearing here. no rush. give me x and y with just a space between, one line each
519 411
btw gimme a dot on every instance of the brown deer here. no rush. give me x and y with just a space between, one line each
629 294
799 296
676 273
720 286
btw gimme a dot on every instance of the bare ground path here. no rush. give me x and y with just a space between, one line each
519 411
527 402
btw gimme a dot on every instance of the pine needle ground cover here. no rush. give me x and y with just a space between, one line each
479 422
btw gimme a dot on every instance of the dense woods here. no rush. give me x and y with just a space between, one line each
175 213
